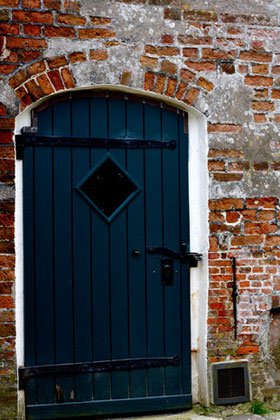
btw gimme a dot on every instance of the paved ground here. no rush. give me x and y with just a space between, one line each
193 415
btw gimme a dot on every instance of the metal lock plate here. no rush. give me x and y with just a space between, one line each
167 271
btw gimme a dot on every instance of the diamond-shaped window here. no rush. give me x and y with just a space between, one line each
109 188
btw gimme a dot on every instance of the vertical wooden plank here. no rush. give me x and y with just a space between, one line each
100 263
185 269
81 252
171 240
136 264
118 253
153 197
44 269
63 247
29 284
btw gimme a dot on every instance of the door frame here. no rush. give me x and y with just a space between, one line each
198 210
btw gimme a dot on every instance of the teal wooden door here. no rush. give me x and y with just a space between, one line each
92 291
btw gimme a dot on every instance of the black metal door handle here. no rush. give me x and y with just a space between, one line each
191 257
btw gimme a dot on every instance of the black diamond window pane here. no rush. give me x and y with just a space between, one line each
108 187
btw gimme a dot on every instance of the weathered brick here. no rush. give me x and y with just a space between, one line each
264 202
228 68
195 40
72 6
216 165
125 78
67 19
206 66
45 84
171 87
7 330
8 3
55 78
100 20
9 28
34 90
247 240
67 78
272 240
258 81
263 106
28 43
187 75
191 96
52 4
19 78
7 123
31 4
35 68
259 228
259 118
34 17
52 31
160 83
168 67
260 166
261 57
200 15
7 261
95 33
99 55
148 62
181 90
205 84
226 204
260 68
225 153
32 30
149 81
224 128
172 13
77 57
232 177
7 68
57 62
27 56
214 54
6 302
161 51
167 39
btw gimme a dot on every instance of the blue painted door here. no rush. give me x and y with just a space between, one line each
92 291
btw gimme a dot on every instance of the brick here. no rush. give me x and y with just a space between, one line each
235 30
77 57
205 84
232 217
262 106
216 165
206 66
162 51
7 68
7 275
191 96
52 31
224 128
27 56
7 165
34 90
28 43
264 202
226 204
31 4
247 240
7 261
7 123
190 52
276 119
261 57
275 166
214 54
160 83
225 153
213 244
95 33
247 350
6 138
216 217
171 87
272 241
125 78
195 40
260 68
148 62
149 81
52 4
243 69
258 81
7 233
275 69
228 68
57 62
7 316
2 110
259 228
167 39
99 55
66 19
68 78
7 247
222 177
45 84
200 15
259 118
266 215
36 68
172 13
7 330
56 79
72 6
100 20
181 90
275 94
238 166
9 28
32 30
18 79
6 302
260 166
168 67
34 17
187 75
9 3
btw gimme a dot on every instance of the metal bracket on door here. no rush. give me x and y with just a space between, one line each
191 257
